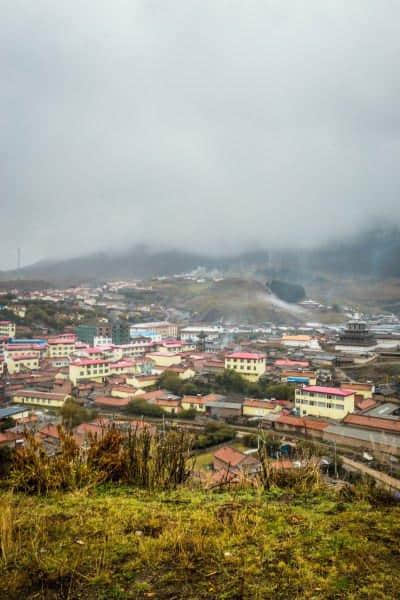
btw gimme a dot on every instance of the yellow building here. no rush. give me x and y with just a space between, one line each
18 364
125 391
7 329
164 360
98 369
57 347
142 381
196 402
319 401
366 390
37 398
250 365
123 367
17 350
95 369
259 408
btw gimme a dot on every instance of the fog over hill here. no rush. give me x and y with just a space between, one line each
375 253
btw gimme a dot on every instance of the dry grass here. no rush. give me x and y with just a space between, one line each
136 457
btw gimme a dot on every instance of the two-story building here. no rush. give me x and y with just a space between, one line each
21 363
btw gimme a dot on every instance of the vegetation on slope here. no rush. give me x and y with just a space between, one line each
117 543
289 292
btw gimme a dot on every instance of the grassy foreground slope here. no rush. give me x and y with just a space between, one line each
117 543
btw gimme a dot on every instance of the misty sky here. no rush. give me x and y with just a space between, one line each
211 125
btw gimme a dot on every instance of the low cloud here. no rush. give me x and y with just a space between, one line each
211 126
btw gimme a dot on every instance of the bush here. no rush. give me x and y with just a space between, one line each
189 414
214 434
73 414
141 407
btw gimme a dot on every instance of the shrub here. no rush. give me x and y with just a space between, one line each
141 407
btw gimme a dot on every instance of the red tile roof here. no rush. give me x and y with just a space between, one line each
392 425
8 436
111 401
230 456
50 431
365 403
302 422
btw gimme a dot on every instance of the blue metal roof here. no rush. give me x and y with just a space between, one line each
9 411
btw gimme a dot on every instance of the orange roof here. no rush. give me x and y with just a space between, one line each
193 400
258 403
8 436
111 401
365 403
50 431
301 422
168 402
229 455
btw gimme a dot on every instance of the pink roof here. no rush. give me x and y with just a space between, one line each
320 389
95 350
123 363
5 322
85 362
245 355
61 340
11 347
25 357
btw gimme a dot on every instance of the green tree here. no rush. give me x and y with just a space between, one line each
140 407
73 414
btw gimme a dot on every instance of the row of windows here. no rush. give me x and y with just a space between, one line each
242 360
312 394
320 404
37 401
